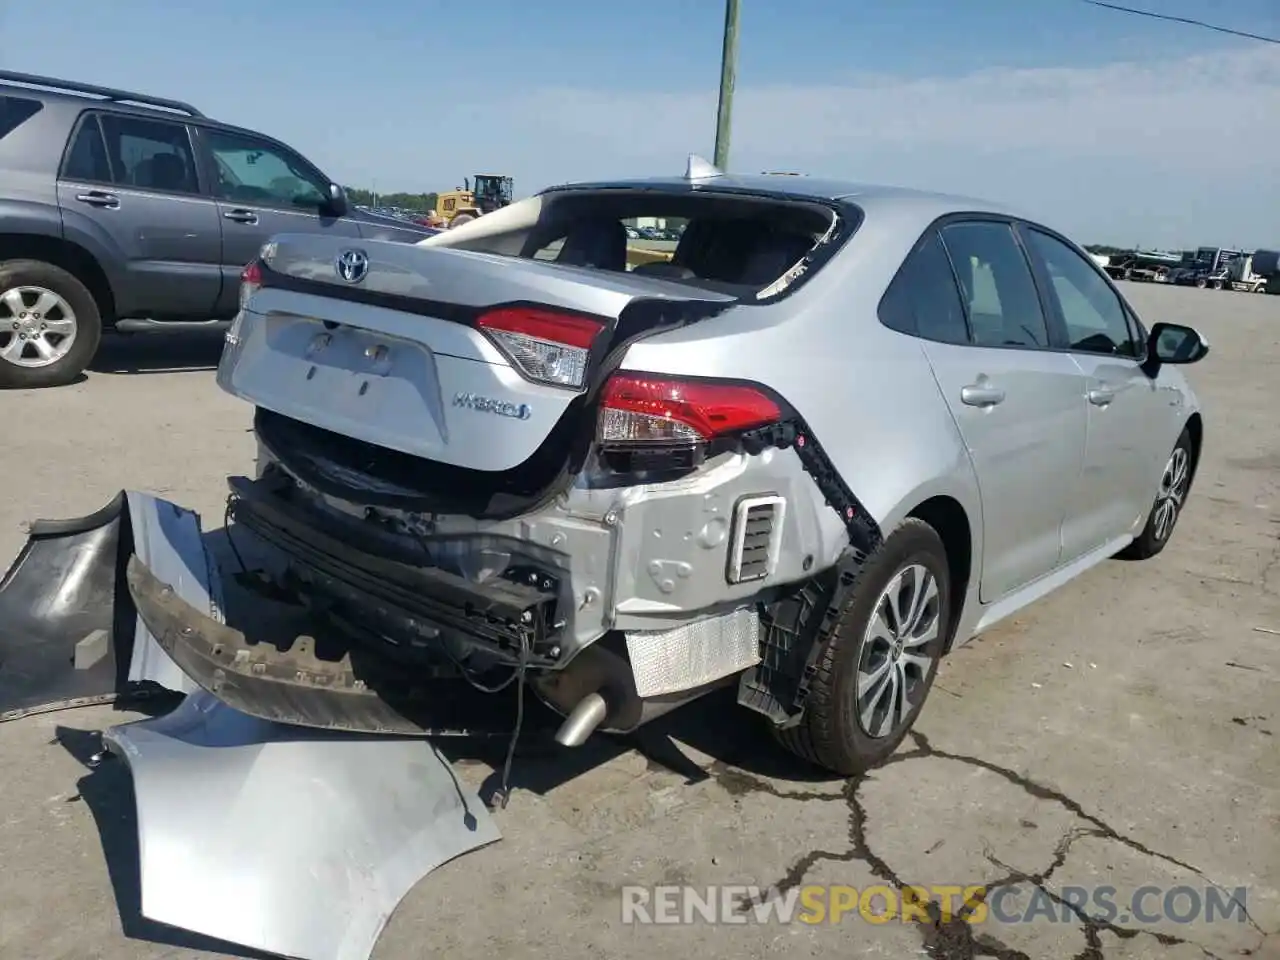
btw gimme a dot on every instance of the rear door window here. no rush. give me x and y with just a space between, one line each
150 154
996 284
923 299
86 158
15 111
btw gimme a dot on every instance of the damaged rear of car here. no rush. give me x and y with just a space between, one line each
462 476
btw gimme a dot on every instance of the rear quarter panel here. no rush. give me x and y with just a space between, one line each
867 393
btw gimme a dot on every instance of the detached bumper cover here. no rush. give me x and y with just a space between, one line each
69 635
285 840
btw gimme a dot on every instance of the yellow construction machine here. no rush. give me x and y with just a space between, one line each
489 192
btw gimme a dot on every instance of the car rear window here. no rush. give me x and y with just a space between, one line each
15 111
748 245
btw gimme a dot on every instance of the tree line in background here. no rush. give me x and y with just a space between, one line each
419 202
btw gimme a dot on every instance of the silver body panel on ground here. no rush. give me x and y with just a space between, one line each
284 839
169 540
64 588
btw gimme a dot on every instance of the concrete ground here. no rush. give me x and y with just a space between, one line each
1121 732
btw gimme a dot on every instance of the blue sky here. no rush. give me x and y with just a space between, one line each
1113 127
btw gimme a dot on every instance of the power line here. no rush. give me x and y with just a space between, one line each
1187 20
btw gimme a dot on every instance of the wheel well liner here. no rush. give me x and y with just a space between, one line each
797 621
1195 429
71 257
949 519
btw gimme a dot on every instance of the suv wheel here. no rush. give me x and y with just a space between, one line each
49 325
1175 483
878 662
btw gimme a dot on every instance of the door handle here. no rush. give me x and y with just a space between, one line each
96 198
1101 396
241 216
981 395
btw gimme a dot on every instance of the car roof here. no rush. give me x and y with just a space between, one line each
82 101
799 187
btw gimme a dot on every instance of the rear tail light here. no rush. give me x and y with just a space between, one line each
250 281
638 409
547 346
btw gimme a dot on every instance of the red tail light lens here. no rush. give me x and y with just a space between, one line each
640 409
250 281
548 346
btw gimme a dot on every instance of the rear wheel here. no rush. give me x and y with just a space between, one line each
1202 283
49 325
878 663
1175 483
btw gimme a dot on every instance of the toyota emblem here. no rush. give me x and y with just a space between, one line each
352 265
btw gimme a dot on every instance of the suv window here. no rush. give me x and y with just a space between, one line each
996 284
149 154
249 170
15 111
87 158
1091 310
923 299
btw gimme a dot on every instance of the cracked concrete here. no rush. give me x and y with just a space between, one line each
1119 733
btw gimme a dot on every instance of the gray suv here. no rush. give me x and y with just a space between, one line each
117 206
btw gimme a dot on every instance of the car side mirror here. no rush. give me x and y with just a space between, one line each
1174 343
337 200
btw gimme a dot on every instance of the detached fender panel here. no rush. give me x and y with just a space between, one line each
69 632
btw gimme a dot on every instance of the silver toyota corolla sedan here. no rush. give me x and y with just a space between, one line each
831 432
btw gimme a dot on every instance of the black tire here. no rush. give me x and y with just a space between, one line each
1155 534
1202 283
66 369
830 734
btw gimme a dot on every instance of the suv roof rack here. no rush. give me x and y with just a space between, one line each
107 93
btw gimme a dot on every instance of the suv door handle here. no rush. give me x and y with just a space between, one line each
981 395
96 198
1101 396
241 216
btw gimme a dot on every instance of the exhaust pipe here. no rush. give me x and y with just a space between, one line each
597 692
582 721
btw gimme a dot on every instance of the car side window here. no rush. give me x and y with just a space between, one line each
923 299
86 158
253 171
149 154
1138 330
15 111
1094 317
996 285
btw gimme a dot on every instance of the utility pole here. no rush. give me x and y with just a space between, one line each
728 72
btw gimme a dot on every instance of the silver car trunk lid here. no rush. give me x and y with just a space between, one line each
380 342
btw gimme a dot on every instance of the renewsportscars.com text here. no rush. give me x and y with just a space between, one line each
1012 904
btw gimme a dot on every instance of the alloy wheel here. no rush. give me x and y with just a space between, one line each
895 659
1173 490
37 326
